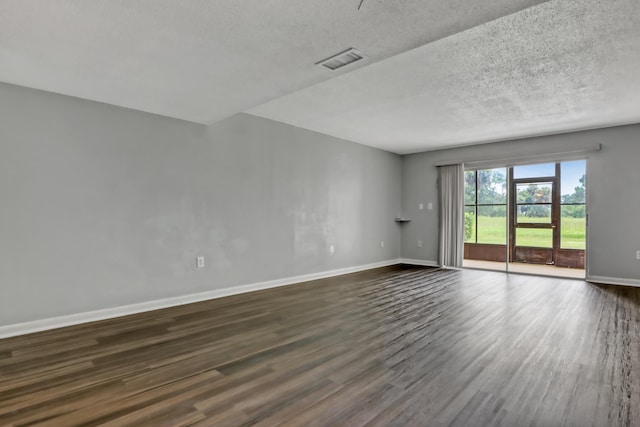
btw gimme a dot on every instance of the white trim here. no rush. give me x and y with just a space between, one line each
613 281
109 313
422 262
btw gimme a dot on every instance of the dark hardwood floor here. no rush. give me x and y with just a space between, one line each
397 346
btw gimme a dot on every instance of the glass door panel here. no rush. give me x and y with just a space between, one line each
485 219
534 237
534 192
534 214
470 224
573 227
492 225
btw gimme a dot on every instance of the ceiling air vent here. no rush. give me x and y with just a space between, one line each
347 57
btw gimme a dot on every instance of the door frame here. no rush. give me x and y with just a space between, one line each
513 225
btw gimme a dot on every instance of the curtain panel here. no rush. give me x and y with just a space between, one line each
451 196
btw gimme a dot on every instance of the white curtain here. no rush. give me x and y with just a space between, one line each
451 186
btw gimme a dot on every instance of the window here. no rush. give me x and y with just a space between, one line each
533 202
485 199
573 212
534 171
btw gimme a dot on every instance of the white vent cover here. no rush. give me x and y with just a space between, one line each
347 57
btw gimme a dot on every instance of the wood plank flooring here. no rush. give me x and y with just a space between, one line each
399 346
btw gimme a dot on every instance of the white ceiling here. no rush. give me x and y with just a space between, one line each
438 73
203 60
556 67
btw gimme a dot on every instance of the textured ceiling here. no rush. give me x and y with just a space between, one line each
203 60
556 67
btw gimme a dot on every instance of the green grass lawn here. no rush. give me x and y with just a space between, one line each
492 230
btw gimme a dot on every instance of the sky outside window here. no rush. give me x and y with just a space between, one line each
571 174
534 171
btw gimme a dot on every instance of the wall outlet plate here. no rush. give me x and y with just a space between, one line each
200 262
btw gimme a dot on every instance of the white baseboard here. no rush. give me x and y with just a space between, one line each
422 262
109 313
614 281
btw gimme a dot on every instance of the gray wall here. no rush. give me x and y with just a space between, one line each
102 206
612 192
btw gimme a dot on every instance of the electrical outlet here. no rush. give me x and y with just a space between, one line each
430 206
421 206
200 262
419 243
637 254
331 249
382 244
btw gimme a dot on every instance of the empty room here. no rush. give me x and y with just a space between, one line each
324 213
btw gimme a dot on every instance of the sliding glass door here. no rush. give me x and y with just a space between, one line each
529 218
